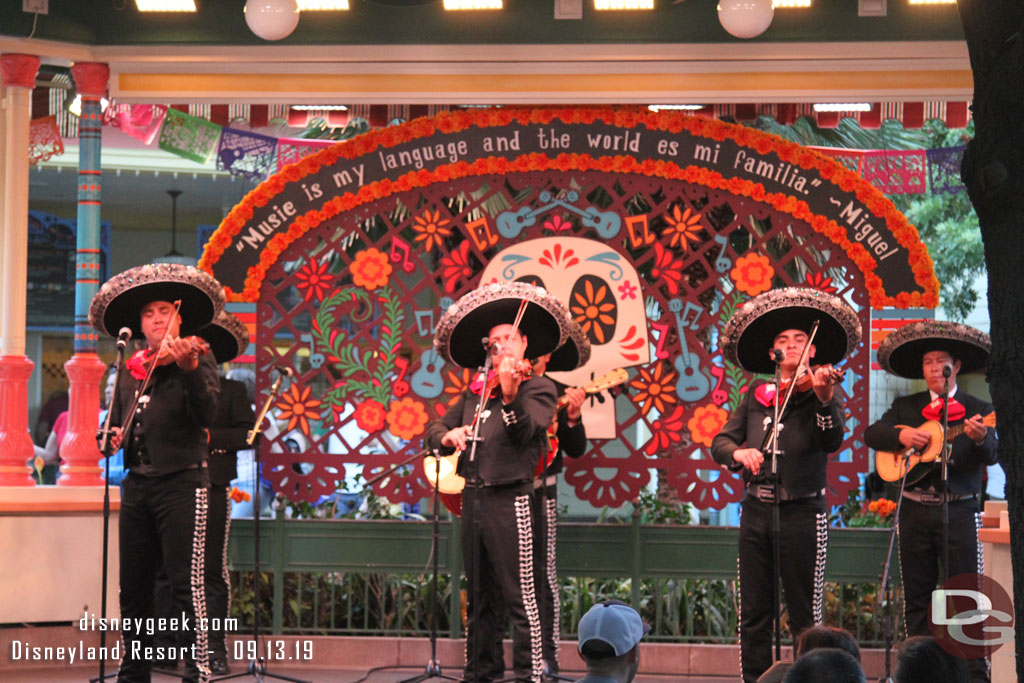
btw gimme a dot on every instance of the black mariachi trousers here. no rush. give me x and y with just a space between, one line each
497 550
803 540
163 521
218 581
545 571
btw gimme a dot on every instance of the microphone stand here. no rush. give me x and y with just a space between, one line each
886 592
104 437
257 663
946 452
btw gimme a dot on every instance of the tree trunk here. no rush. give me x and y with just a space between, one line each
993 171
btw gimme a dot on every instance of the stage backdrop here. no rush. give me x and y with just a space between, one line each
652 228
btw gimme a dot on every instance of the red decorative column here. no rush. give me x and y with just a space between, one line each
85 370
19 77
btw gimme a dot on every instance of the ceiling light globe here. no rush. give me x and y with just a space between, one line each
272 19
745 18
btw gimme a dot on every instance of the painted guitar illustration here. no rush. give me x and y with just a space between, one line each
890 466
444 472
693 385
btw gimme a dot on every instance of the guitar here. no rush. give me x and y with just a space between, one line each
442 471
890 466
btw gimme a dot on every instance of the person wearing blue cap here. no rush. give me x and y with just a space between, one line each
609 642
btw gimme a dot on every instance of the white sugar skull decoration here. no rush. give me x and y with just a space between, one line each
603 292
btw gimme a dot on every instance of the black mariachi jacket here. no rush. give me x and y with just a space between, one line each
572 441
966 458
228 431
514 436
181 404
809 431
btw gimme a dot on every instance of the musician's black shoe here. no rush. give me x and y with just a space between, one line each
219 665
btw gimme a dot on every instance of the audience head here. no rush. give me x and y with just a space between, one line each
819 636
923 659
609 636
825 665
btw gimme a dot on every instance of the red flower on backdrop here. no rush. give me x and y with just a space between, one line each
590 310
296 406
819 281
313 280
683 227
370 269
456 266
430 230
706 422
370 415
753 274
407 418
654 389
668 267
458 382
666 431
557 224
555 257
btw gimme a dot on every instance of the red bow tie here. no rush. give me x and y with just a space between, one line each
933 411
765 394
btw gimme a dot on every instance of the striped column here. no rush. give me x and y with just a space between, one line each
19 77
78 451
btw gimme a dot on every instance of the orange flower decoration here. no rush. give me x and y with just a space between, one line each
653 389
819 281
238 495
295 406
590 310
431 230
457 383
683 227
313 280
407 418
667 267
370 415
883 507
706 422
753 274
371 269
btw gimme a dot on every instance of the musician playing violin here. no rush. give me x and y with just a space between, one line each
497 530
923 350
164 500
775 327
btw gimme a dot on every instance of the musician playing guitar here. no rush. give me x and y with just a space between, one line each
518 321
924 350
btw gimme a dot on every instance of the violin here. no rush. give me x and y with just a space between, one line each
805 377
141 361
522 371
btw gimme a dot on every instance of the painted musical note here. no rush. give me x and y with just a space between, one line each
424 322
480 232
722 262
692 385
696 311
719 396
400 387
635 240
400 251
427 380
660 352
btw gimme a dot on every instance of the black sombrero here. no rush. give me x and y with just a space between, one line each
226 335
574 353
901 352
748 336
119 301
463 327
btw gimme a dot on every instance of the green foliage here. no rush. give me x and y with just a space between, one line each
655 510
946 222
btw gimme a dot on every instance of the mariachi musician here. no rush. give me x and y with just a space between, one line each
774 329
506 322
937 352
164 401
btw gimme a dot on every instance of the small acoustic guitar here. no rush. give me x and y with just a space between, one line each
890 466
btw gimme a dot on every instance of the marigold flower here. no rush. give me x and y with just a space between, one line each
296 406
753 274
370 269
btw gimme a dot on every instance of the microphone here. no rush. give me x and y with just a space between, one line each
123 335
777 355
285 370
947 370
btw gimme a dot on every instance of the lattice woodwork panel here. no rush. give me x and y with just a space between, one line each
351 308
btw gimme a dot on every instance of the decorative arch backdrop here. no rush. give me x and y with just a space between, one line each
653 228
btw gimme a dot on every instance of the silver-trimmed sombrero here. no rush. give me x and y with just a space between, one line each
902 351
574 353
226 335
462 329
119 301
748 336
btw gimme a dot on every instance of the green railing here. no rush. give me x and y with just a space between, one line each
374 577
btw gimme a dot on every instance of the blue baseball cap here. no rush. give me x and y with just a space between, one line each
612 622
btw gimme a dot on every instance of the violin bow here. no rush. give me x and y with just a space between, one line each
804 355
149 374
